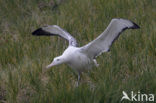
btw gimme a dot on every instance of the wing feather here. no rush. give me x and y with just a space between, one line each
54 30
103 42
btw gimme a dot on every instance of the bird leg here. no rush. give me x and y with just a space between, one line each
78 79
95 62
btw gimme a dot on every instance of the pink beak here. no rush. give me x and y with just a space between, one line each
49 66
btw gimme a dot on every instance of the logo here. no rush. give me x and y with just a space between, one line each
137 96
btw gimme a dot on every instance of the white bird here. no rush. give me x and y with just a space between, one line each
83 58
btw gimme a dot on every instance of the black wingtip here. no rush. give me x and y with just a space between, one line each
41 32
38 32
135 26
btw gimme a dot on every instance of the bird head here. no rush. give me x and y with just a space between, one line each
56 61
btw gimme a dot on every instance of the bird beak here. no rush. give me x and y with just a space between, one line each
49 66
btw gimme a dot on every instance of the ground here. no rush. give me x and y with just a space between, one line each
129 66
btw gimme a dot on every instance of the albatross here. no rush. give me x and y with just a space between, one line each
83 58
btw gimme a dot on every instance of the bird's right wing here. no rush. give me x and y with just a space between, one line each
103 42
54 30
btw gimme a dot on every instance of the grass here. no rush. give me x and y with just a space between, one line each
129 66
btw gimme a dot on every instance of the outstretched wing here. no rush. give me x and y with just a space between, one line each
103 42
54 30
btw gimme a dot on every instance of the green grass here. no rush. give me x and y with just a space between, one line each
129 66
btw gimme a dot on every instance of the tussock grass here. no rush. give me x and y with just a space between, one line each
130 65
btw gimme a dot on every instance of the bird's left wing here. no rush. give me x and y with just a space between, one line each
103 42
54 30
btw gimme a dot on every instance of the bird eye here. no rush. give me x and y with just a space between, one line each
57 59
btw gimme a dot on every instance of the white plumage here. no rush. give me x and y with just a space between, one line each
83 58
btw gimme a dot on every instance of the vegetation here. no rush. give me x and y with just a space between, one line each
129 66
